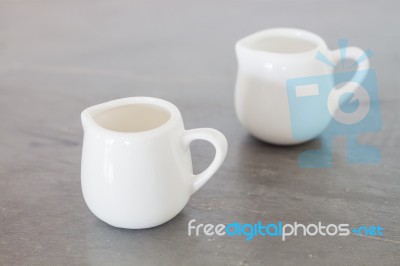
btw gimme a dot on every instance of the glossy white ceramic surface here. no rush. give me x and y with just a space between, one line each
136 164
266 60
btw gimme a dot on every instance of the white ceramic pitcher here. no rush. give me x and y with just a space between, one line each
136 164
266 61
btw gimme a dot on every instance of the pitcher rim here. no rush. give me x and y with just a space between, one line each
87 117
305 34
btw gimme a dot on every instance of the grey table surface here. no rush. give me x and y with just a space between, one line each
59 57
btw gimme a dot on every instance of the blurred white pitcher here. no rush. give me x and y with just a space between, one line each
136 164
266 61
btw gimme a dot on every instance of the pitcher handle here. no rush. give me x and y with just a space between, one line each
355 54
218 140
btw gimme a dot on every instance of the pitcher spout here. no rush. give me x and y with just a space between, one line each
88 116
85 119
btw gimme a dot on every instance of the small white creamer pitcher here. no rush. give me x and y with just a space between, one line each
267 60
136 163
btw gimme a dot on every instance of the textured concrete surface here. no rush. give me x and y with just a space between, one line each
58 57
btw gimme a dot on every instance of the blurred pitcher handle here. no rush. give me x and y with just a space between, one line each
351 86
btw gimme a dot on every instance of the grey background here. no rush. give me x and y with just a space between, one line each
59 57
